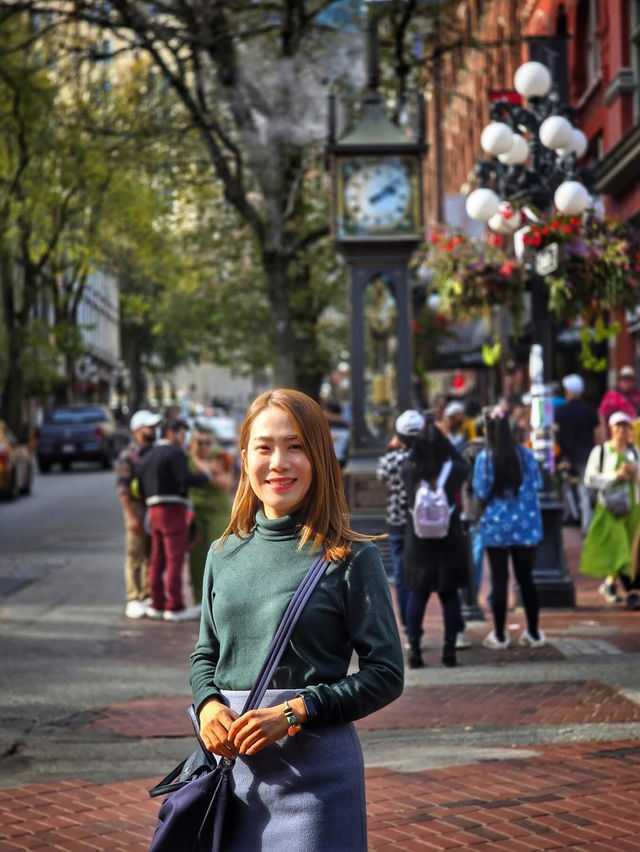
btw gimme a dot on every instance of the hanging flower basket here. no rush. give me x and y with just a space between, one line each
598 275
472 276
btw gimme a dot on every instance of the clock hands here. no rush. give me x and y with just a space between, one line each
390 189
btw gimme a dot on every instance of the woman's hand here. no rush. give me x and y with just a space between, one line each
215 721
256 729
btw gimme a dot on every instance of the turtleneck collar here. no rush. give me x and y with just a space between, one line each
283 528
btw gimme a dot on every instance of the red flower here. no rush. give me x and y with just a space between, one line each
567 229
507 268
575 222
495 239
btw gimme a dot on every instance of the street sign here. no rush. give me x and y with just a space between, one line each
547 259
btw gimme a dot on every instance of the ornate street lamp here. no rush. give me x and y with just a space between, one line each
534 152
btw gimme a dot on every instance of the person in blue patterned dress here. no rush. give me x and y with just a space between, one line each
507 478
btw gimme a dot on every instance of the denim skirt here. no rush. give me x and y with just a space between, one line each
303 792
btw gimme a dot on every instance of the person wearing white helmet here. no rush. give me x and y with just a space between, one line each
137 541
389 470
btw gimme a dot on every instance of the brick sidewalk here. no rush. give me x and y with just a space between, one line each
579 796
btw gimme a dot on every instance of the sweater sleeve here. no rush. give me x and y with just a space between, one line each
207 650
373 632
594 477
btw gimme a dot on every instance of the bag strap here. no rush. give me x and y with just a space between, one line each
283 634
444 473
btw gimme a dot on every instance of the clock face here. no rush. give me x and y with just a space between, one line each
377 196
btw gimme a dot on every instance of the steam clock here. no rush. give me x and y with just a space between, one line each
376 171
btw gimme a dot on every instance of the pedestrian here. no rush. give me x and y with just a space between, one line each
624 397
164 478
454 418
288 508
211 502
607 549
137 541
390 471
577 425
472 506
339 428
434 564
507 477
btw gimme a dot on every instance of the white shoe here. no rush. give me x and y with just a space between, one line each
492 641
190 613
135 609
462 641
150 612
527 640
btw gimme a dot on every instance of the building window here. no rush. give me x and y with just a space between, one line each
592 43
635 54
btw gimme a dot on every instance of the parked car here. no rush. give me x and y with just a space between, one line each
16 464
78 432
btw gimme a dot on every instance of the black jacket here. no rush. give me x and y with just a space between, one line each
436 564
164 475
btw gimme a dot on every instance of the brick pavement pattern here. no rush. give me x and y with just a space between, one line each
577 796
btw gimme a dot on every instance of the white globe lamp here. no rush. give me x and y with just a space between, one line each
517 153
571 198
496 138
556 132
579 142
482 204
532 80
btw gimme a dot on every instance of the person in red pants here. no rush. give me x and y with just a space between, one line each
164 478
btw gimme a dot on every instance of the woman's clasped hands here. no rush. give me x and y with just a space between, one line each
227 734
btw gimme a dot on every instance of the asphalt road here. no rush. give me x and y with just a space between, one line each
61 626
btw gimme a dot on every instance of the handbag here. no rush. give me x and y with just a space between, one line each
617 500
191 818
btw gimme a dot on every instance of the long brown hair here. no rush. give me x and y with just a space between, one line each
326 522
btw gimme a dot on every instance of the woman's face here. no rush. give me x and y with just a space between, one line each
278 468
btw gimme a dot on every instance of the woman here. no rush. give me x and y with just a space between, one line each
211 502
434 564
608 545
288 508
507 478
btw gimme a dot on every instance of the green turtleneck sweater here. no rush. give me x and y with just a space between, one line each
247 586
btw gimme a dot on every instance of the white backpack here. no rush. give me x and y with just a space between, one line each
431 512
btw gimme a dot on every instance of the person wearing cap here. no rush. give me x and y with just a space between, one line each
454 417
607 550
624 397
389 470
137 542
164 478
577 425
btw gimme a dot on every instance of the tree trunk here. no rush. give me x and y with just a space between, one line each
13 391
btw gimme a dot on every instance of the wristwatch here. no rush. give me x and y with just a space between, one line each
310 704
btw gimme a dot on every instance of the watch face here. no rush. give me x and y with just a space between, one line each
377 196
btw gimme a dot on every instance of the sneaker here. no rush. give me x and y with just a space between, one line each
150 612
527 640
462 641
492 641
135 609
191 613
608 592
633 600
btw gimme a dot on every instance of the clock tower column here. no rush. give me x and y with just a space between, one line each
377 223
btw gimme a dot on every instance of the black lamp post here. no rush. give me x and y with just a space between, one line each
535 151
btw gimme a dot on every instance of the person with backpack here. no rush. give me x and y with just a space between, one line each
435 558
612 469
506 477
